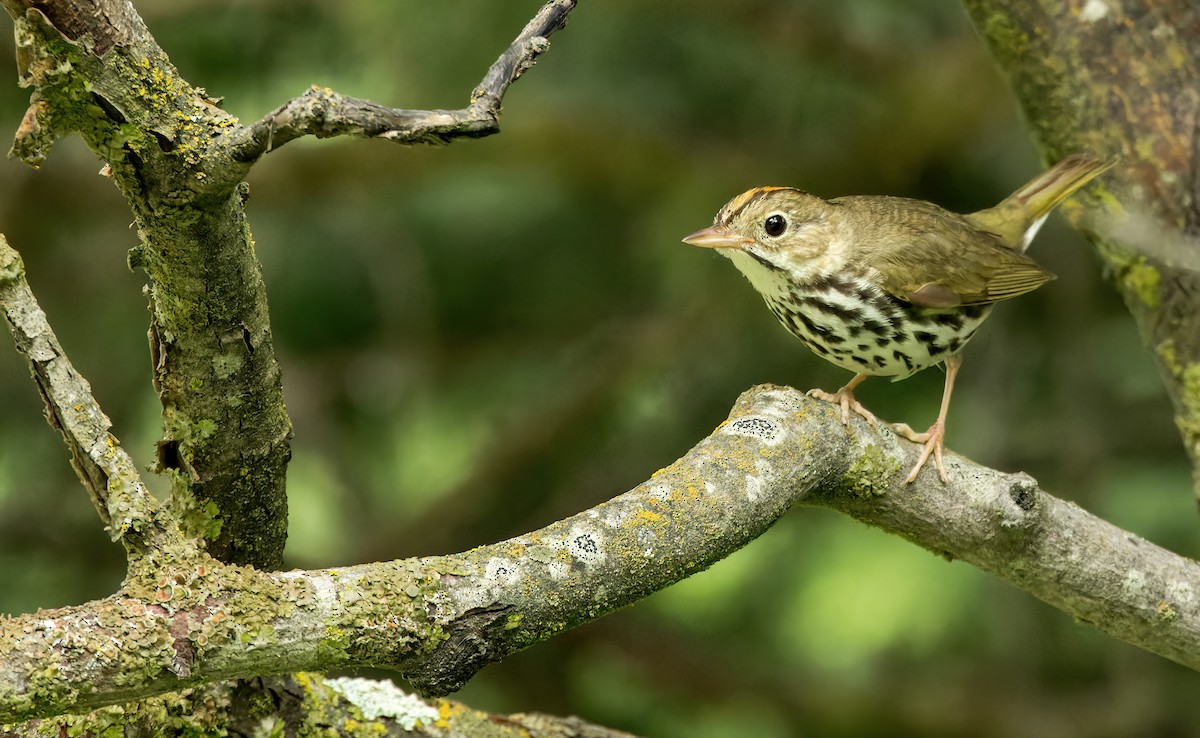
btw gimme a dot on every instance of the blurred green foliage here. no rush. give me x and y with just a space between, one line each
480 339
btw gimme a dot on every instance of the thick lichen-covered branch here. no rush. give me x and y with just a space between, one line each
438 620
307 704
1123 77
324 113
107 472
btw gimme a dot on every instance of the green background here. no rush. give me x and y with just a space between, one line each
479 339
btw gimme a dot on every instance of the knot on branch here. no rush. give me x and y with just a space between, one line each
1018 498
470 646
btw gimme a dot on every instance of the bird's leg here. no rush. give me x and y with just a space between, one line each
934 438
845 398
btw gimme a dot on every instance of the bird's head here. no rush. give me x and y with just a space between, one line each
776 229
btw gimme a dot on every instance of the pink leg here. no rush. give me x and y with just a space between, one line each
934 438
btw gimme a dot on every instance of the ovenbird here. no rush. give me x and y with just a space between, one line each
888 286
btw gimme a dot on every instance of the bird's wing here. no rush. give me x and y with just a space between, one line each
931 257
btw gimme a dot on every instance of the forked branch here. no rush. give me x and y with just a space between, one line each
107 472
324 113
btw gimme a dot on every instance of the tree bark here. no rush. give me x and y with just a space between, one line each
187 616
1122 77
438 620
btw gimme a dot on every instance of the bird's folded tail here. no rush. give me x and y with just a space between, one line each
1019 216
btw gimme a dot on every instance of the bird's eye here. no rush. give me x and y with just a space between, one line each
775 225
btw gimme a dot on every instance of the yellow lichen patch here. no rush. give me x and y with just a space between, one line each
647 515
447 711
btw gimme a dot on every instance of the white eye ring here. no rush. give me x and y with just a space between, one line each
775 224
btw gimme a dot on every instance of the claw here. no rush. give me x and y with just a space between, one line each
934 440
844 397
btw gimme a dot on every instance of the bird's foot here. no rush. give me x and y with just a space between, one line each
934 440
845 398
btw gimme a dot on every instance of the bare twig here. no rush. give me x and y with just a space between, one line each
323 113
440 619
107 472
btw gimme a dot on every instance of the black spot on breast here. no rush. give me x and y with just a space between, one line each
880 361
860 360
819 331
877 328
903 357
842 313
950 320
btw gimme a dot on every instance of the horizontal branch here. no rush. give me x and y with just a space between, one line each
107 472
438 620
324 113
307 704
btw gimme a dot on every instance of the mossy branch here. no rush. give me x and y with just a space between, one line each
1123 77
438 620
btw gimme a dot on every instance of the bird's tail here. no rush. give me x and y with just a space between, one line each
1019 216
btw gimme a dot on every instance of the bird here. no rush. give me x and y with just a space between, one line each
888 286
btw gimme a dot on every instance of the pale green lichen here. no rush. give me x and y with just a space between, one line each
1166 612
1141 279
1188 376
871 472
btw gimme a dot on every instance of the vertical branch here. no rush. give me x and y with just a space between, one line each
1123 77
96 70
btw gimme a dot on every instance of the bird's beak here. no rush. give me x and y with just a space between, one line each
716 237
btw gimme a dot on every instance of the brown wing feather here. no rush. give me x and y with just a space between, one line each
932 257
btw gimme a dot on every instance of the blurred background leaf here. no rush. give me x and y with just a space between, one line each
480 339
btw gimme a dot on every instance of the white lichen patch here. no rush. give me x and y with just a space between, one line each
1180 593
660 492
324 589
1135 583
378 699
558 570
1094 10
585 544
768 430
754 488
502 572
